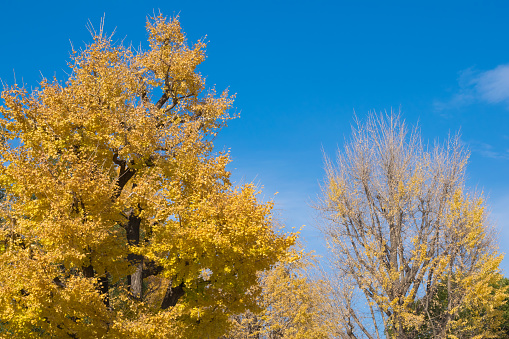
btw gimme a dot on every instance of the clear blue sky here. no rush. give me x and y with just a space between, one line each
301 69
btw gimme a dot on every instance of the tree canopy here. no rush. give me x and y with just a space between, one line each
119 218
405 234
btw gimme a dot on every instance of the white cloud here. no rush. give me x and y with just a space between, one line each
490 87
493 86
488 151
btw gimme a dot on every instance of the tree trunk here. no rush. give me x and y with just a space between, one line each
135 281
102 284
103 287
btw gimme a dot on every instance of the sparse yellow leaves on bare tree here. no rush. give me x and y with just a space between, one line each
407 239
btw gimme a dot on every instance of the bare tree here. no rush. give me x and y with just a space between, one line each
411 251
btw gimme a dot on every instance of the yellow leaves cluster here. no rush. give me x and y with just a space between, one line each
292 305
32 301
168 42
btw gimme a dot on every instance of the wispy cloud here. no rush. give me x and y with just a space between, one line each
490 87
488 151
493 86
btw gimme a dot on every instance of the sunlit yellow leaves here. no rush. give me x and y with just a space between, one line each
126 140
32 300
292 305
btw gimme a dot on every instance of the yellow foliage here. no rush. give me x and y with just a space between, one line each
111 177
292 305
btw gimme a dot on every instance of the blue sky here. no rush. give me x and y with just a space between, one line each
301 69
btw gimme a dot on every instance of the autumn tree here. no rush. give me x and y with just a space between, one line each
119 219
291 304
467 316
504 327
405 236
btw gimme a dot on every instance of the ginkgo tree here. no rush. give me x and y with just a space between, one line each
293 304
412 248
119 218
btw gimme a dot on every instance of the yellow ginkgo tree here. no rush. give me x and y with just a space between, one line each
293 304
119 219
